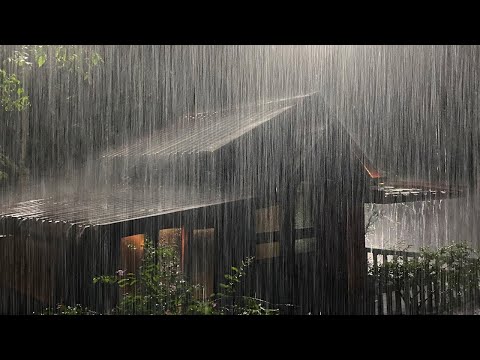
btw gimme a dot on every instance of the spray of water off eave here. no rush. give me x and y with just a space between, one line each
311 176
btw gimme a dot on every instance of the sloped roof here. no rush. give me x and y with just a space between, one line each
205 132
394 191
121 204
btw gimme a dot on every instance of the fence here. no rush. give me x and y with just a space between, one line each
421 288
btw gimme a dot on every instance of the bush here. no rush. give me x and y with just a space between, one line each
160 288
69 310
448 277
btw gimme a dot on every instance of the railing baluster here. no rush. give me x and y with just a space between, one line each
406 286
398 295
388 289
436 287
378 284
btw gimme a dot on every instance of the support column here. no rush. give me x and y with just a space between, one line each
287 245
356 259
332 266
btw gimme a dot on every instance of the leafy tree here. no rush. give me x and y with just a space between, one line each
70 58
18 66
7 167
12 94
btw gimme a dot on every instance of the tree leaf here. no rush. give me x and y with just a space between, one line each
41 60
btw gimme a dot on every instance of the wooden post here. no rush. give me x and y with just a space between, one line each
187 226
356 259
287 243
330 296
252 243
219 245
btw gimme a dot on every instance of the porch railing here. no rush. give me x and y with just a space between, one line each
424 292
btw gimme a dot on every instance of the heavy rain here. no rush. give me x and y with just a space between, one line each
225 180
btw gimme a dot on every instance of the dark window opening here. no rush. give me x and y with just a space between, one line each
267 226
268 250
303 219
303 207
202 255
268 219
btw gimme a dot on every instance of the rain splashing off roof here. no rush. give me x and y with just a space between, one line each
148 176
153 175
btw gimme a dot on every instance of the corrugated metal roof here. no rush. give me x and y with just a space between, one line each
393 191
119 205
205 132
197 133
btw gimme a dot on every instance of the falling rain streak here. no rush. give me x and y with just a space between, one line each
312 159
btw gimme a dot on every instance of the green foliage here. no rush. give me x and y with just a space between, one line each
235 304
8 168
160 288
451 273
12 94
69 310
77 60
70 58
21 58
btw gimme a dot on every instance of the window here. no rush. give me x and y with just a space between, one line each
131 252
303 219
176 238
304 245
267 225
267 219
303 207
267 250
171 236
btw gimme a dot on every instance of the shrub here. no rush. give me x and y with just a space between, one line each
448 277
160 288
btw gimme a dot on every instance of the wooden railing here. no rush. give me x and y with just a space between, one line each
424 292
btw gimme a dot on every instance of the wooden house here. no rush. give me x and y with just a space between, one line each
283 181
